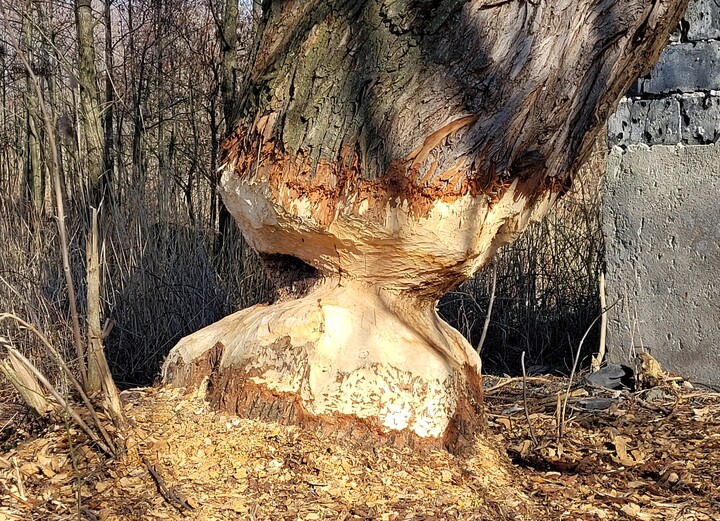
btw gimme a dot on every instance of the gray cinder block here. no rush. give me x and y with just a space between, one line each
700 119
685 67
649 122
703 19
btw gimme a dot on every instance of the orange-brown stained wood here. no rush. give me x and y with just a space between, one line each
412 102
234 391
334 187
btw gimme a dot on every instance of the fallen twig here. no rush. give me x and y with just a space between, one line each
171 497
525 404
89 514
491 390
18 478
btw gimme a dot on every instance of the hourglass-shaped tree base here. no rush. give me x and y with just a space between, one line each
346 358
394 146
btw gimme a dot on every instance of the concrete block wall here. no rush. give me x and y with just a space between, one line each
661 225
679 100
661 209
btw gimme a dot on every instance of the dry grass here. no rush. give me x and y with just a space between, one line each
161 280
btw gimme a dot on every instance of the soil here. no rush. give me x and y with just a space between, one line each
647 455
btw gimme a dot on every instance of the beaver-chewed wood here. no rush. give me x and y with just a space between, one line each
390 147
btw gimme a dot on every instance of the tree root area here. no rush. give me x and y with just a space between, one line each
648 455
234 392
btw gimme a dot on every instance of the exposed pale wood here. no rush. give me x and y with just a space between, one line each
107 446
67 373
25 383
329 354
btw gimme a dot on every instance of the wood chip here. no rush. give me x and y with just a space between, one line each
626 461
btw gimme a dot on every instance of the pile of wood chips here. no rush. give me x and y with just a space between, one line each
649 455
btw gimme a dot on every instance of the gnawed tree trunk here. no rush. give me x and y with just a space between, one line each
393 146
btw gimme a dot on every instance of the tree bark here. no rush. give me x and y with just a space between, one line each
391 147
228 65
91 128
108 160
5 169
228 69
34 179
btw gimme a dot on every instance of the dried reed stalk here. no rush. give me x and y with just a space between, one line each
25 382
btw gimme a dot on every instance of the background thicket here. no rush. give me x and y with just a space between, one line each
163 73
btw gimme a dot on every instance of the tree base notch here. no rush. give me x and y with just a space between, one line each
356 363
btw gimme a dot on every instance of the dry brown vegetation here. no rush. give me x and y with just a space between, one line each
168 269
650 455
547 288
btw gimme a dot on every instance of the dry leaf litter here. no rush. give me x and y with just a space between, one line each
649 455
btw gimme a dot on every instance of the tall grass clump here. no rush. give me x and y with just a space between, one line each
162 278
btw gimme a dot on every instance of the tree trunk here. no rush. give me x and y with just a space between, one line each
228 69
385 150
140 88
108 160
5 170
91 129
228 64
34 180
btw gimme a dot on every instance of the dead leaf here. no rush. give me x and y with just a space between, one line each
622 455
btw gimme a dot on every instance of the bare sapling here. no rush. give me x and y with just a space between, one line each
99 376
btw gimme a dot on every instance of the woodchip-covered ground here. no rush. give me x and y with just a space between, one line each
650 455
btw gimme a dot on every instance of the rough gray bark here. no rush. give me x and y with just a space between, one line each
108 161
228 33
228 70
526 84
34 179
4 127
90 128
394 145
